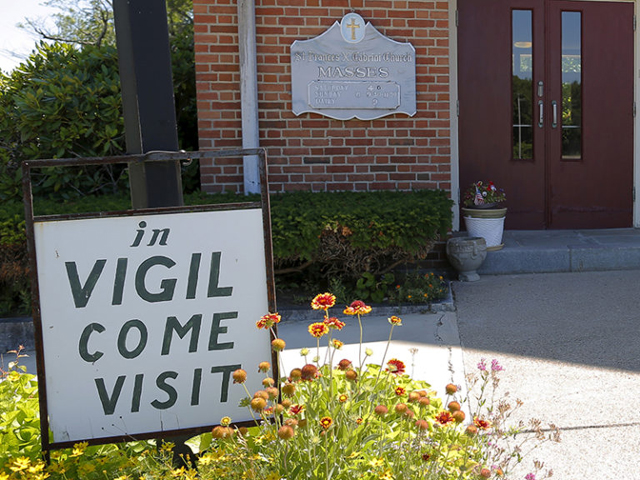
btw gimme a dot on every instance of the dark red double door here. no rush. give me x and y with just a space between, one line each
546 109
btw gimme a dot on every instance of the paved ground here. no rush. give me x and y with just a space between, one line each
570 345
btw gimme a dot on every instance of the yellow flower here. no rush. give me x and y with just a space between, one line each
376 462
79 449
37 468
393 320
386 475
273 476
4 476
337 344
19 464
353 455
343 398
225 421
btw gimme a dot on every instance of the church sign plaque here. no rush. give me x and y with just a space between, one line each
353 71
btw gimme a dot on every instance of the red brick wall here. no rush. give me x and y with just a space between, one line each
312 151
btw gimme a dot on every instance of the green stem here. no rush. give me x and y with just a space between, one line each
360 348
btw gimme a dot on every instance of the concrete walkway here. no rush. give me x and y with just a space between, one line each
570 345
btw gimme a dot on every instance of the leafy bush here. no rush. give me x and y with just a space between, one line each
332 419
354 238
348 233
62 102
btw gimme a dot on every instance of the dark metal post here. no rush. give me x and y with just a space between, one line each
142 36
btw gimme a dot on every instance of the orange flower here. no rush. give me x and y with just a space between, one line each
400 391
333 322
318 329
323 301
337 344
268 321
343 398
326 422
395 321
357 307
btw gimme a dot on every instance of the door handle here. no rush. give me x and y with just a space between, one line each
541 114
554 114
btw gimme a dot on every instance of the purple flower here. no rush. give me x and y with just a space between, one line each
482 366
496 367
530 476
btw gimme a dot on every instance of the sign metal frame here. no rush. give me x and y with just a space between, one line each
30 219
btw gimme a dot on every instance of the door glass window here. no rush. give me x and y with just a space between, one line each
522 84
571 111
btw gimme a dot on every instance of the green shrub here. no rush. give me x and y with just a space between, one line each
354 238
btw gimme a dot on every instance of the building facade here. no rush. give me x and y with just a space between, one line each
537 96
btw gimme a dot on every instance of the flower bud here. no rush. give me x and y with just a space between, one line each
261 394
258 404
278 345
401 408
288 389
309 371
451 389
422 424
264 366
286 432
351 375
239 376
268 382
458 416
381 410
453 406
344 364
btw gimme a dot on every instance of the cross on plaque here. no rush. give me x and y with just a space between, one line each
353 25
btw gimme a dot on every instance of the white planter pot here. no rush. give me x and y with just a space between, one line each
480 225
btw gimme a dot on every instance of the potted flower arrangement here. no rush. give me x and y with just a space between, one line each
484 214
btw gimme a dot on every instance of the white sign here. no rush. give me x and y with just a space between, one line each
353 71
145 318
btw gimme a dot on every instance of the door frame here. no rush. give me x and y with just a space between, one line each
455 138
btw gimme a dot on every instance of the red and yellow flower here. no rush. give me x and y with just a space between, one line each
396 321
326 422
357 307
396 366
318 329
323 301
269 320
334 323
443 418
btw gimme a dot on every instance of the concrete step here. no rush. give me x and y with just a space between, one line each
550 251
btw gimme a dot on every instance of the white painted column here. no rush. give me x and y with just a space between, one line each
249 91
